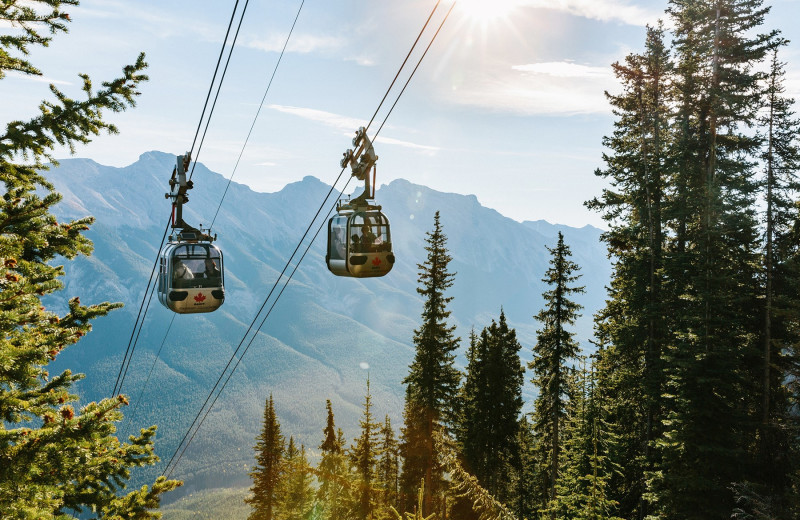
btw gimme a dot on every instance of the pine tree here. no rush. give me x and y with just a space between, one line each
335 483
636 321
555 349
709 364
584 484
432 382
388 469
363 457
781 159
269 470
295 494
58 459
492 402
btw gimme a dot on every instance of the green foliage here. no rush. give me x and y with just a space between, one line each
55 460
363 457
555 349
491 402
295 494
269 471
388 469
432 381
466 486
334 494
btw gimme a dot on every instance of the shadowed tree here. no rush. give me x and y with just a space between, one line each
57 460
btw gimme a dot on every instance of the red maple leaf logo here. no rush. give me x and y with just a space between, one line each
199 298
376 261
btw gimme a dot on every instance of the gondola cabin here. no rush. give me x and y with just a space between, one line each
191 277
359 244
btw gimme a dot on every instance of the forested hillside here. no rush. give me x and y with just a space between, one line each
323 330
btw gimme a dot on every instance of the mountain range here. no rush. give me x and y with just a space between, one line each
325 335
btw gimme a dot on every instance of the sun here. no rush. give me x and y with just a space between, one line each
485 11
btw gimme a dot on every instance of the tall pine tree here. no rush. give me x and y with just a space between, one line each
712 257
57 459
267 474
555 350
432 382
635 324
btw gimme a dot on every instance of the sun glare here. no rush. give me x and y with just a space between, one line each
486 10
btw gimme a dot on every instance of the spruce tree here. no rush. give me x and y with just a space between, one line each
295 495
555 350
432 382
269 470
710 362
583 487
333 474
363 457
636 321
781 159
57 459
492 397
388 469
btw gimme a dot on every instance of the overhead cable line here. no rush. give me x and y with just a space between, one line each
195 426
260 106
140 317
272 77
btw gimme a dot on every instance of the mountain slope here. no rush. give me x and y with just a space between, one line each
324 329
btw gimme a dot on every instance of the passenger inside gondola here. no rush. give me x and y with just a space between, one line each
367 238
211 273
181 273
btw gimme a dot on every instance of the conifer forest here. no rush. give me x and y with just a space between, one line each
684 406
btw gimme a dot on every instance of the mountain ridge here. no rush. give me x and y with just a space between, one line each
323 330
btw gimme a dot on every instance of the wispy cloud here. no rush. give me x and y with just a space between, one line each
603 10
39 79
343 123
300 43
547 88
346 125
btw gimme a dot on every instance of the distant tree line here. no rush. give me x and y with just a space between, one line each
688 408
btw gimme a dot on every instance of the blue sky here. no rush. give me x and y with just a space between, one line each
507 105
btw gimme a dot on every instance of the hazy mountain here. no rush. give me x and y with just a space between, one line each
324 329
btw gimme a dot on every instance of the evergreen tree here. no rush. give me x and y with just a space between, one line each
709 363
333 474
583 485
269 470
363 457
57 461
636 321
432 382
295 495
492 402
555 349
388 469
524 499
781 159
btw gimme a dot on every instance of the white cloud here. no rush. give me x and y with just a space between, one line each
300 43
603 10
39 79
408 144
548 88
344 123
347 125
